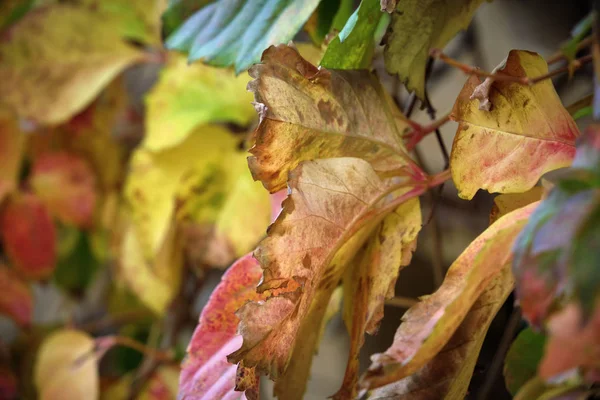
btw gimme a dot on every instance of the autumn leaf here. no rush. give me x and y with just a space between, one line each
64 355
429 326
324 113
28 236
209 196
333 207
162 385
15 297
353 47
187 96
11 151
235 33
505 203
522 360
57 58
372 280
66 184
448 374
206 374
417 27
155 281
526 134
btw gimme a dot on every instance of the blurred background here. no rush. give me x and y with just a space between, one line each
451 223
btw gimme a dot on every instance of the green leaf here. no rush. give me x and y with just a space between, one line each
235 32
331 14
417 27
521 362
178 11
353 48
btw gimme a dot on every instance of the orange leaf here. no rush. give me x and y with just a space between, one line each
29 236
527 133
67 185
206 374
15 297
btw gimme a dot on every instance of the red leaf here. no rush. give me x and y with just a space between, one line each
206 374
15 297
29 236
67 185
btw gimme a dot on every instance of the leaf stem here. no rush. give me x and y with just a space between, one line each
525 80
420 131
106 342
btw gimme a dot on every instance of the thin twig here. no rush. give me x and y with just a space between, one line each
107 342
525 80
114 320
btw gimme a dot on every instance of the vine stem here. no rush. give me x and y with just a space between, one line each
560 56
420 131
528 81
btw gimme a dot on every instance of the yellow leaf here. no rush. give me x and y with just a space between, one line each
187 96
527 133
155 281
206 178
417 27
505 203
66 367
57 58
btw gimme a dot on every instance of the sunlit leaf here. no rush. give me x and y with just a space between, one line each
235 32
522 360
353 47
206 374
66 367
333 207
417 27
155 281
28 236
324 113
138 20
428 326
57 58
211 195
66 184
372 280
526 133
11 151
15 297
187 96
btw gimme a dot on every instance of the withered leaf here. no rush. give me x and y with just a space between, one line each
308 113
